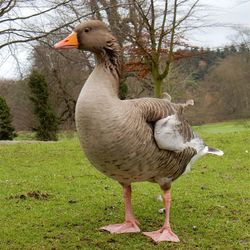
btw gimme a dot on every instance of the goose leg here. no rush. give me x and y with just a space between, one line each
131 224
165 233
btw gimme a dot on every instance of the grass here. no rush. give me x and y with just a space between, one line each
51 198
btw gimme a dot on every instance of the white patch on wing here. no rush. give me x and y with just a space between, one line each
196 143
168 137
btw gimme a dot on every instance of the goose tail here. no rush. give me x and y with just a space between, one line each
215 151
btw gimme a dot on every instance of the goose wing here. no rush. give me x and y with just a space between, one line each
146 112
153 110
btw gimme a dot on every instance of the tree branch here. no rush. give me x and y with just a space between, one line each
171 47
162 26
36 14
8 7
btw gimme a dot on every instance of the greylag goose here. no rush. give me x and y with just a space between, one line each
117 136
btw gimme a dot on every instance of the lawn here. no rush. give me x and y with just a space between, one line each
51 198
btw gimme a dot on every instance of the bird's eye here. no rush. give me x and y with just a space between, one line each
87 30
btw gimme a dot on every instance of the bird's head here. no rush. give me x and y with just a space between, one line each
92 35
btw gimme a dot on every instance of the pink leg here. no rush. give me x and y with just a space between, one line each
165 233
131 224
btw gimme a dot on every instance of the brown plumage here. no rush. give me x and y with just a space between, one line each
117 135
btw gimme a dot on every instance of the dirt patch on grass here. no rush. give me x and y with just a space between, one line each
33 194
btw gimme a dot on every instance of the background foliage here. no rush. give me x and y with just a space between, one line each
47 122
6 128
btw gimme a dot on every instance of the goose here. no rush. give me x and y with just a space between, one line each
117 136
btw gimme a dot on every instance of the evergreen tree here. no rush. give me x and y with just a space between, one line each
233 50
243 48
226 51
47 127
218 53
123 90
6 129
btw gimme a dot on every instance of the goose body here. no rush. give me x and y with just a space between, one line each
118 137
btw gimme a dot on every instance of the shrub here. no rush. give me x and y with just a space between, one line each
47 121
6 129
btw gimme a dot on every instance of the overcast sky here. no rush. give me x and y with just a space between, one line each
230 12
233 12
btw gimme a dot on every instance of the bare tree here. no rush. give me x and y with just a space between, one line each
242 40
158 30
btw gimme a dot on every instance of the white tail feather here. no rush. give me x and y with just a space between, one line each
215 151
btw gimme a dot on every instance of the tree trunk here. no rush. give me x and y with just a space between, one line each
156 80
157 87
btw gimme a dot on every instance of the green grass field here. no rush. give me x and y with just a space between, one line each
51 198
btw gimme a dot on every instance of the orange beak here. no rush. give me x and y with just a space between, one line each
69 42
